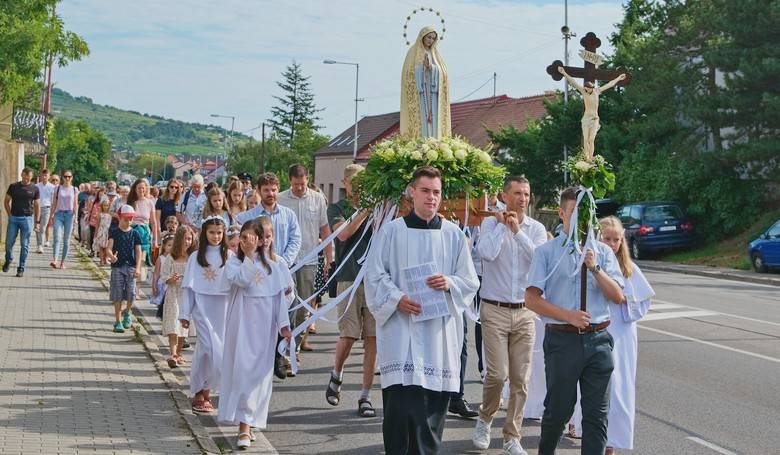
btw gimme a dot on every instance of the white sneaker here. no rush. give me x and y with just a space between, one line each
46 244
40 249
513 447
481 438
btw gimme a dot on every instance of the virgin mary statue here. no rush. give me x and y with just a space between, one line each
425 94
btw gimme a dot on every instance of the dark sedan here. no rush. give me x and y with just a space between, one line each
655 226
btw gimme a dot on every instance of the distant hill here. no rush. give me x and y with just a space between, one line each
142 132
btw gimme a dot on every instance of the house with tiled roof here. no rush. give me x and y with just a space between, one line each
470 119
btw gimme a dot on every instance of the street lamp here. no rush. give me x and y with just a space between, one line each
357 100
232 126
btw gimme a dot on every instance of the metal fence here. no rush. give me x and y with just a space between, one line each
29 126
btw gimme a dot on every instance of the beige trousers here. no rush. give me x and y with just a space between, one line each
508 339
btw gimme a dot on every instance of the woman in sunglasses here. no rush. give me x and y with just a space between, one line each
166 205
64 205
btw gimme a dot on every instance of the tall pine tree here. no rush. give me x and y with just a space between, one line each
296 109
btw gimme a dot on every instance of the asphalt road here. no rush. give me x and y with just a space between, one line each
708 382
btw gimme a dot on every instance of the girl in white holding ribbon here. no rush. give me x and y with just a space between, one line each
260 282
204 298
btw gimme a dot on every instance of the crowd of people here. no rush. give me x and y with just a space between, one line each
224 263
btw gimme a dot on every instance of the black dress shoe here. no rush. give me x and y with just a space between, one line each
461 408
6 266
280 369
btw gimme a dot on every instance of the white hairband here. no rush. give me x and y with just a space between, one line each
214 217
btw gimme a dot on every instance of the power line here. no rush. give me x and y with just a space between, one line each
474 91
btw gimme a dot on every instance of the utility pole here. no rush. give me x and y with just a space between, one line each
46 107
262 148
494 86
567 35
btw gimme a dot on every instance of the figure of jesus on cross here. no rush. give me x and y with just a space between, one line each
589 91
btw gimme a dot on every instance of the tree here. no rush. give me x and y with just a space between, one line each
296 109
75 146
278 156
30 32
147 162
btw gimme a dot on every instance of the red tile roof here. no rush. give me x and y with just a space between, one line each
470 119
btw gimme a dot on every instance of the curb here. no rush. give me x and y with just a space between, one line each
723 274
178 395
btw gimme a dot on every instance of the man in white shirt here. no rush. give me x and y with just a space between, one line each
45 189
311 210
506 246
419 350
193 201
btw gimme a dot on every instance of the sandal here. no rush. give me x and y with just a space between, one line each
172 362
209 405
333 392
572 432
180 360
53 264
244 444
201 406
365 409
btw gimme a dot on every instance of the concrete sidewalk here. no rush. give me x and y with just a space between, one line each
748 276
68 384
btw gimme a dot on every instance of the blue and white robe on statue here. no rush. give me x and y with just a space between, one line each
204 301
425 353
622 327
256 312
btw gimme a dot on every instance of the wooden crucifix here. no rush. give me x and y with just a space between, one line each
590 73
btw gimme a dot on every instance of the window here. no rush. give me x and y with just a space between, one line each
635 215
330 191
774 231
622 213
661 213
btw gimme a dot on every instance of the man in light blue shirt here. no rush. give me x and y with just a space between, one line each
577 346
287 233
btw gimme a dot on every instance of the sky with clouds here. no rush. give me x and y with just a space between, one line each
187 59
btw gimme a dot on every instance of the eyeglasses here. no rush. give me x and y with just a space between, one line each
67 176
174 187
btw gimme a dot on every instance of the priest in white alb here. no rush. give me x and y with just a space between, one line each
420 280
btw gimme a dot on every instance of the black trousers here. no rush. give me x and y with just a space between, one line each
413 419
464 356
569 358
478 330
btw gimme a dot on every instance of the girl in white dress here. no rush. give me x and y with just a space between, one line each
172 273
259 280
204 299
100 243
622 327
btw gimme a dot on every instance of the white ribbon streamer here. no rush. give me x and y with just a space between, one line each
311 255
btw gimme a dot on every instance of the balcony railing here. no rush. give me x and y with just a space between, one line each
29 126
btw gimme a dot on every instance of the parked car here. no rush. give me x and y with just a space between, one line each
606 207
764 252
655 226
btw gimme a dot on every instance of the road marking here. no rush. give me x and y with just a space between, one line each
657 306
677 314
720 313
710 445
709 343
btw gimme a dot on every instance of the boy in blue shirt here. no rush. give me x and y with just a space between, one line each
125 245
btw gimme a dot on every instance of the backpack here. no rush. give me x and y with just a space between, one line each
186 200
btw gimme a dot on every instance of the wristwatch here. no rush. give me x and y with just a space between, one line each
595 269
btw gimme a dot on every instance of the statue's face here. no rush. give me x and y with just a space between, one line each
588 87
429 39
